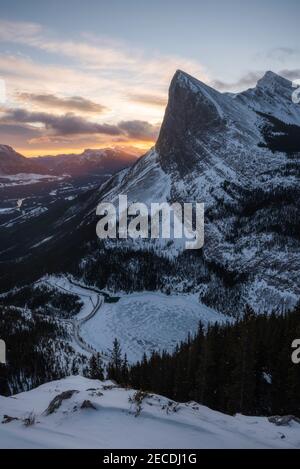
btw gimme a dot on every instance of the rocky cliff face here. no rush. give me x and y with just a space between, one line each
192 112
239 154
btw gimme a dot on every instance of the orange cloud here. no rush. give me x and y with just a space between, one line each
94 71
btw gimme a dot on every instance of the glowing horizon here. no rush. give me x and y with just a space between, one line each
135 147
69 87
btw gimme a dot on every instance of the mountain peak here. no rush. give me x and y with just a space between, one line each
182 75
12 162
269 74
6 149
185 80
271 79
195 111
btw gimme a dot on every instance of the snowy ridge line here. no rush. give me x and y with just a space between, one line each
100 414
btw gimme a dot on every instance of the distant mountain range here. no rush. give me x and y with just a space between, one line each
12 162
90 162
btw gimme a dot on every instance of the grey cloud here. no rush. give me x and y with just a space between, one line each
17 135
246 81
140 130
59 125
291 74
250 79
282 53
18 124
74 103
23 131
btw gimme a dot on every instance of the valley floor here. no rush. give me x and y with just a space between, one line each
142 322
146 322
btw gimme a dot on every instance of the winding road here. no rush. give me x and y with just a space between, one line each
77 323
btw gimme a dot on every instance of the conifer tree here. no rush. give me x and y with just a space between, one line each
96 370
124 370
114 370
241 367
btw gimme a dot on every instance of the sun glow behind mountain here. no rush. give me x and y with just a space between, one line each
134 147
79 76
67 95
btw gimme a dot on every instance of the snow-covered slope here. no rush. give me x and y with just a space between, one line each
94 414
239 155
208 137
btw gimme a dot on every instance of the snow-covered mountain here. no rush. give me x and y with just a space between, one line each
81 413
239 154
90 161
208 138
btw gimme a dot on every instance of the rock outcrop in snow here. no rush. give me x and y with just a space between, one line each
95 414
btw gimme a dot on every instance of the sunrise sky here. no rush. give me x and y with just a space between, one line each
88 74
